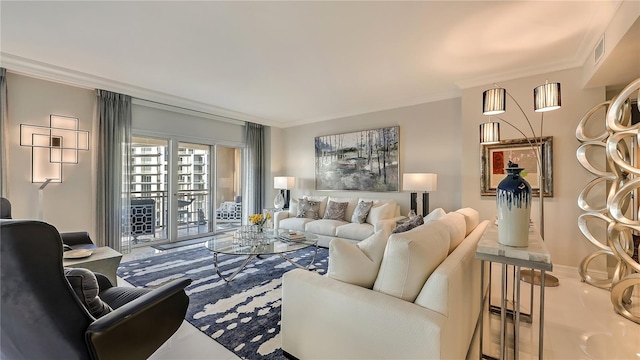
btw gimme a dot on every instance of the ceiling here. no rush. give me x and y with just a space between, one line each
290 63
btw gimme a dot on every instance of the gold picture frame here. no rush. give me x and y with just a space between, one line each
494 158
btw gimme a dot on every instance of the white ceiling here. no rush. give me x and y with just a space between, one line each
289 63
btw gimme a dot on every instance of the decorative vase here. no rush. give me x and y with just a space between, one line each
513 198
278 201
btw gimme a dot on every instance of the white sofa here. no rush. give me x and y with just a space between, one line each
324 318
327 230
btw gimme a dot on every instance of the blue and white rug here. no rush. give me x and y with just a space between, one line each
244 315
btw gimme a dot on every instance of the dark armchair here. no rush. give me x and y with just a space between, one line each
43 318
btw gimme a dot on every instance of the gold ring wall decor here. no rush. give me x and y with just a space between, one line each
620 212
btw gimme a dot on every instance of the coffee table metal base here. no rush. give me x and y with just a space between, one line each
253 256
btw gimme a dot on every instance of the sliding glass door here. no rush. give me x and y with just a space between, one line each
228 188
193 197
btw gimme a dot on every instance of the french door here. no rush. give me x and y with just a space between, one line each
172 185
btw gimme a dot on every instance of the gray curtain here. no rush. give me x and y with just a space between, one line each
114 140
254 170
3 128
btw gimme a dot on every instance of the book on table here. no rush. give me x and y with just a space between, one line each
292 236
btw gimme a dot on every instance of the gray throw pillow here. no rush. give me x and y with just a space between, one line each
361 212
336 211
85 285
415 222
308 209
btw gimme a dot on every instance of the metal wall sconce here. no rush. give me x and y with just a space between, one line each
53 146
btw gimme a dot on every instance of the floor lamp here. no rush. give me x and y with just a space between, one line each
546 97
420 182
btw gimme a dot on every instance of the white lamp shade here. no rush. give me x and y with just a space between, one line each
547 97
494 101
490 133
284 182
419 182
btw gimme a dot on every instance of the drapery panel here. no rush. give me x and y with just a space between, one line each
113 113
3 136
254 173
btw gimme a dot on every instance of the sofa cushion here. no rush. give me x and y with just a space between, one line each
357 264
361 212
354 231
323 203
324 227
382 212
471 218
308 209
336 211
456 227
85 286
408 225
293 207
294 223
409 258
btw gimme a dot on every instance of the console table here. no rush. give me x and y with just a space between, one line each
103 260
535 256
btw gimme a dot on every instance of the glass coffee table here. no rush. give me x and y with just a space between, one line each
268 245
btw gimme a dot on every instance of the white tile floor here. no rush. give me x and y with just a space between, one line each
579 324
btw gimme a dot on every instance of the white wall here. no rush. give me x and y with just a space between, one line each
562 236
67 205
429 142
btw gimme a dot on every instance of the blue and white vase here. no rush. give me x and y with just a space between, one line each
513 198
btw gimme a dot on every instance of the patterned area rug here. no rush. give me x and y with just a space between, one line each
244 315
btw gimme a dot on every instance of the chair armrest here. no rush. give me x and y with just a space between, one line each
137 329
103 281
76 238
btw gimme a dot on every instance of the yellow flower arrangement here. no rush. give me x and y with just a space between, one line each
259 219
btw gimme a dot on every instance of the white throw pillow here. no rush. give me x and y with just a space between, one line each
383 212
376 203
456 227
293 207
435 214
357 264
410 258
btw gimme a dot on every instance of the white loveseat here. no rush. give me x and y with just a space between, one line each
324 318
327 230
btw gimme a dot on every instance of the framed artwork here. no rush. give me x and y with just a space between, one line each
494 158
363 161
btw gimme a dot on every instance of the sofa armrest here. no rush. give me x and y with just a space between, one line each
278 216
352 322
387 225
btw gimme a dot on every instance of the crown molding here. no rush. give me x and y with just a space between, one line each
23 66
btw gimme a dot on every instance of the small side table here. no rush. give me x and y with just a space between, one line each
534 256
104 260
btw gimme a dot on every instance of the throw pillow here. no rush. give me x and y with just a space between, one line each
410 258
85 285
293 207
408 225
357 264
435 214
361 212
382 212
471 218
456 228
336 211
308 209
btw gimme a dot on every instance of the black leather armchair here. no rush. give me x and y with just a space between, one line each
42 318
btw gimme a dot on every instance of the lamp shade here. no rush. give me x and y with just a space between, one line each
419 182
284 182
494 101
490 133
547 97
